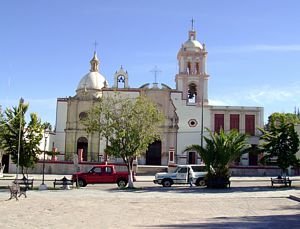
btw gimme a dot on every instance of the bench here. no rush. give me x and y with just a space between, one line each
64 182
24 181
279 180
15 189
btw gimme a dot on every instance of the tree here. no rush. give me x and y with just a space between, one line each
220 151
280 141
277 118
30 135
2 152
129 126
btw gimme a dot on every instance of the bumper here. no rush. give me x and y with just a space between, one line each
157 181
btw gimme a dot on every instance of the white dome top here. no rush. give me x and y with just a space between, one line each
92 80
192 44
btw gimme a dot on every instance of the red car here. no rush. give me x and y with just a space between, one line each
101 174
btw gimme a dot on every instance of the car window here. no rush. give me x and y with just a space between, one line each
97 170
182 170
199 168
108 170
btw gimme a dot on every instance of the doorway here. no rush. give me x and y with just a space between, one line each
191 158
5 162
82 143
153 154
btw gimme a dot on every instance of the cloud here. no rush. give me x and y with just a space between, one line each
257 48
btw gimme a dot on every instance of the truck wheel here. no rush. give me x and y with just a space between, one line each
81 183
167 183
122 183
200 182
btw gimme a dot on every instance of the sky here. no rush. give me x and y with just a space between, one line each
253 48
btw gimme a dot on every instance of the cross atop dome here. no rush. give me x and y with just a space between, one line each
193 21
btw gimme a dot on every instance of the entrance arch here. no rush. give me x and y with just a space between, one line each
153 154
82 144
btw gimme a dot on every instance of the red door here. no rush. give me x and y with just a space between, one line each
94 175
192 158
108 175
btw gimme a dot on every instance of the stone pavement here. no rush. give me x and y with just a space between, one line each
249 203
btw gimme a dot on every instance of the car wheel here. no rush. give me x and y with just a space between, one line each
167 183
122 183
81 183
200 182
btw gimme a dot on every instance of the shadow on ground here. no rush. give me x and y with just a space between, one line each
186 189
270 221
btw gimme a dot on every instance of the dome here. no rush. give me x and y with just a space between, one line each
192 44
92 81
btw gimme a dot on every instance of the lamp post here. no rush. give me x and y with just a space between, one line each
202 108
19 141
43 186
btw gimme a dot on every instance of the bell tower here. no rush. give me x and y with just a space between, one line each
121 78
192 78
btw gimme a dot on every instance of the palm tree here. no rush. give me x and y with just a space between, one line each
220 151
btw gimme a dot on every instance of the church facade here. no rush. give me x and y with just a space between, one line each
186 109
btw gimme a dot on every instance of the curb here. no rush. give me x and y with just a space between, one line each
294 198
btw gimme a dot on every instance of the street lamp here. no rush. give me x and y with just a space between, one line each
43 186
19 142
202 108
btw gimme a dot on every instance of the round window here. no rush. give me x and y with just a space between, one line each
83 115
192 122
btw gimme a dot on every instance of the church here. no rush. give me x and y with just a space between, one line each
186 109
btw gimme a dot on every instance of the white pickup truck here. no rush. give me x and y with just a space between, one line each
180 176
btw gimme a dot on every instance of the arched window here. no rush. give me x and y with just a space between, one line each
197 68
192 93
189 68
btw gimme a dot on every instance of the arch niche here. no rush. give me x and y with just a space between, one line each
153 154
82 144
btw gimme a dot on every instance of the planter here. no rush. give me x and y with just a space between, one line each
1 170
218 182
53 158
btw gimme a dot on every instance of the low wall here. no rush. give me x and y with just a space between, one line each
63 167
150 169
261 171
68 168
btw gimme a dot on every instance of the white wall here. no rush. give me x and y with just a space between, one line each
60 126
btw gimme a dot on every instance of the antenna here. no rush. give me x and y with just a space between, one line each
155 70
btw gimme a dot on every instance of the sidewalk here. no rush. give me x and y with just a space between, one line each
139 178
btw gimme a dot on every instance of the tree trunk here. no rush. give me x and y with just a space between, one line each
130 177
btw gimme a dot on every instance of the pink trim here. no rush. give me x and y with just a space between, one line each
253 167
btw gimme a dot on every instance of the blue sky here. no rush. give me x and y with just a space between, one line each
253 48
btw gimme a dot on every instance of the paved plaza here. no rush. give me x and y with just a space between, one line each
250 203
